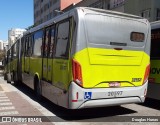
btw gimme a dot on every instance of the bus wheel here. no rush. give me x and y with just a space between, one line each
38 89
15 79
8 78
5 76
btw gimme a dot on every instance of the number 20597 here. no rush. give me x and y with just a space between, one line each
115 93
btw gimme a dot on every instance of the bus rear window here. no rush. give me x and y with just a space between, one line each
107 30
137 37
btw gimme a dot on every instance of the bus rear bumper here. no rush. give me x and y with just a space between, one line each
110 102
102 97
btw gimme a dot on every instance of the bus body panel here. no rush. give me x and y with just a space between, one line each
155 72
60 73
101 97
106 52
154 79
35 64
102 72
50 70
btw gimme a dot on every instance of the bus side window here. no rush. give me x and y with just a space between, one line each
62 50
22 46
29 51
37 43
26 46
12 52
17 47
52 42
46 43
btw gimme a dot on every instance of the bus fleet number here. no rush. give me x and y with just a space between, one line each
115 93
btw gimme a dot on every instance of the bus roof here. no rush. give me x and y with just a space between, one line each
84 9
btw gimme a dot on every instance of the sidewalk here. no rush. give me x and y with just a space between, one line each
13 104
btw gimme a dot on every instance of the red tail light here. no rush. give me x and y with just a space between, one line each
146 75
77 72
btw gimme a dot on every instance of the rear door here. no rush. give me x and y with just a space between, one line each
28 42
61 57
45 54
50 54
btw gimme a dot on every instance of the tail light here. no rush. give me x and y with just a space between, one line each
77 72
146 75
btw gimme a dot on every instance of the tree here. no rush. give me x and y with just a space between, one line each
2 55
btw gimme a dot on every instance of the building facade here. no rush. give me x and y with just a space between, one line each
5 45
47 9
13 34
101 4
44 10
149 9
1 45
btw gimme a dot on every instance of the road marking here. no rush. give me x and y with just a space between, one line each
4 100
2 94
9 113
7 103
7 108
3 97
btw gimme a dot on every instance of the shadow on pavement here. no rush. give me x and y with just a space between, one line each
1 73
77 115
152 103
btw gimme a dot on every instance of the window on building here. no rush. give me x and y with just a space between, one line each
62 50
116 3
48 5
146 14
158 14
97 4
54 1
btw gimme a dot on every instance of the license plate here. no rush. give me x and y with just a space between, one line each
115 93
114 84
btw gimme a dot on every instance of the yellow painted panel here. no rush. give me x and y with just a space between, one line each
128 67
155 71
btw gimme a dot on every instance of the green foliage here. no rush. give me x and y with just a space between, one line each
2 55
30 27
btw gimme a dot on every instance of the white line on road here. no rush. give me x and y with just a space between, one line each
7 108
3 97
7 103
2 94
9 113
4 100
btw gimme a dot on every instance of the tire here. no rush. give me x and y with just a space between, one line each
5 76
8 78
38 89
15 79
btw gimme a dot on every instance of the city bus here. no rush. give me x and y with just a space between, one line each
87 58
154 80
11 63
